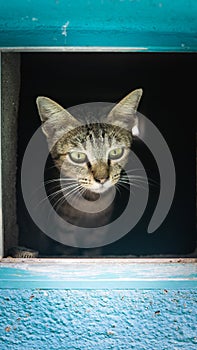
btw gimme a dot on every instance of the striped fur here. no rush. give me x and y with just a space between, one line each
95 139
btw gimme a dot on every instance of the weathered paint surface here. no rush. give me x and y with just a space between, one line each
98 304
98 319
153 25
98 274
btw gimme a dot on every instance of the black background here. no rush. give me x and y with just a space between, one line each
168 100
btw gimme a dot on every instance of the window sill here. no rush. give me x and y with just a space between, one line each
98 273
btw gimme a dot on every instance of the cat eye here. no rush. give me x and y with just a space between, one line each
116 153
78 157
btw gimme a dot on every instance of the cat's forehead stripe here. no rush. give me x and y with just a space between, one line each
95 136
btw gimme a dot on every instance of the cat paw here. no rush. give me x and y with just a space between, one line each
22 252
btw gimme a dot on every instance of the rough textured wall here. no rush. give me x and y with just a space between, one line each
10 101
95 319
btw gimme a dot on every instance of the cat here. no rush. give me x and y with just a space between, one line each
90 151
89 145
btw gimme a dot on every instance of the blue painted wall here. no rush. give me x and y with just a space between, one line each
102 319
98 304
156 25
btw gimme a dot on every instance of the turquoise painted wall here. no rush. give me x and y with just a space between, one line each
156 25
98 319
91 304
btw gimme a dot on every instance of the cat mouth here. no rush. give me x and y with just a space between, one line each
102 187
99 187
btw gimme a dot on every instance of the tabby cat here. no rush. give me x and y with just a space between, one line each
89 146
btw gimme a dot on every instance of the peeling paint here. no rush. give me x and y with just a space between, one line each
64 28
160 25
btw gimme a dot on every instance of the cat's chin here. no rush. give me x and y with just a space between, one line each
97 189
101 188
93 195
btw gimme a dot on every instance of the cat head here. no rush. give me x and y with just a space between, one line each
93 152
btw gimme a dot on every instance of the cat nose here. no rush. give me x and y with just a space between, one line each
102 180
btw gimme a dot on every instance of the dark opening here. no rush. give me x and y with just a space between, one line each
168 101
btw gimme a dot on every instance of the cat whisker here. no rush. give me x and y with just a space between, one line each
61 190
45 183
64 198
49 196
149 179
52 195
134 184
64 188
130 179
131 175
119 184
61 201
68 186
134 176
72 180
72 192
135 169
69 197
80 191
118 189
125 186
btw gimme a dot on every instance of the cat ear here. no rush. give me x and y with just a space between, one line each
55 119
124 113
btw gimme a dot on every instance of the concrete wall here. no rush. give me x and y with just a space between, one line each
10 103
